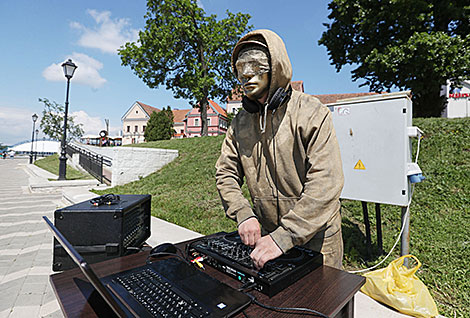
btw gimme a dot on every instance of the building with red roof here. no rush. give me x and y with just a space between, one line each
216 121
134 122
186 122
234 103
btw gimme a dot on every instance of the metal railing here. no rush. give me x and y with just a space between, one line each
93 163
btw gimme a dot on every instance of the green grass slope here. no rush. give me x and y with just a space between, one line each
51 164
184 192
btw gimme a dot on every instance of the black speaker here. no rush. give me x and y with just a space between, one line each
101 229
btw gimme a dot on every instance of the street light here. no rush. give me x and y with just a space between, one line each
69 68
36 146
34 117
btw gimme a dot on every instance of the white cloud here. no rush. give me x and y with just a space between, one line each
93 125
87 72
16 124
108 34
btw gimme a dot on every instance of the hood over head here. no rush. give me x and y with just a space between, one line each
281 69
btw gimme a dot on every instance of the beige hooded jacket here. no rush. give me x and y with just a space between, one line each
293 170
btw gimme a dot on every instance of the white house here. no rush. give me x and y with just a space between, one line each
458 101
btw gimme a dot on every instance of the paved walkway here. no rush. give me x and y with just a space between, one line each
26 243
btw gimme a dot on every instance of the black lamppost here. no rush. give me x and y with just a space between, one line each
34 117
36 146
69 68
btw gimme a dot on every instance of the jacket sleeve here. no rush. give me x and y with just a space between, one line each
319 201
229 178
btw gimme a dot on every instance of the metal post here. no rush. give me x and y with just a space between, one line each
32 143
36 148
378 219
63 145
365 212
101 169
405 236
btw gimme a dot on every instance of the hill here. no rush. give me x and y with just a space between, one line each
184 193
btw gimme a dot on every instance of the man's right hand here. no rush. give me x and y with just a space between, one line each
249 231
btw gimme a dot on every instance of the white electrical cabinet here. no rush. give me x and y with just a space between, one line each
373 135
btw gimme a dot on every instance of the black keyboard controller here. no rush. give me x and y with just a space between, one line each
226 253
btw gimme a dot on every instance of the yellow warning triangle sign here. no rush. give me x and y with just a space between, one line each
359 166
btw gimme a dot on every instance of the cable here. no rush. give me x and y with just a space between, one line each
419 142
247 286
165 254
407 215
105 199
275 167
287 310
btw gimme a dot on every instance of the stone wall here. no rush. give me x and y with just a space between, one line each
130 164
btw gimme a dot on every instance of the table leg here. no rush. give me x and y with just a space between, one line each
347 311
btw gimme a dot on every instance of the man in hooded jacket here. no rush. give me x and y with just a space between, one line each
283 143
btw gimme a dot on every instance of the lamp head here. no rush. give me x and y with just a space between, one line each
34 117
69 68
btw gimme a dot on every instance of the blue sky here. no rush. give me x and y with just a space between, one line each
38 36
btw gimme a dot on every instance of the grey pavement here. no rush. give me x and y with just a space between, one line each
26 243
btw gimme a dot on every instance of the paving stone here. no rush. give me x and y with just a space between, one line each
49 309
15 279
7 301
36 279
33 289
4 270
28 300
49 295
5 313
55 314
24 312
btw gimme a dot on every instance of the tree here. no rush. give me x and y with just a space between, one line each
160 125
52 122
416 45
230 117
187 51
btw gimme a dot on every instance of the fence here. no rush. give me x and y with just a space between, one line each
91 162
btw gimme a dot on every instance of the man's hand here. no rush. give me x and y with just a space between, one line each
265 250
249 231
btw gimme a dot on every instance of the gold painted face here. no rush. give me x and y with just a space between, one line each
253 73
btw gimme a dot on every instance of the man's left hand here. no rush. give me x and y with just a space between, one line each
265 250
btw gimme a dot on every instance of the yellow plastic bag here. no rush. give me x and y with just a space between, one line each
398 287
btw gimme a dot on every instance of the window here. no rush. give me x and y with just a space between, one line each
208 122
128 128
143 128
136 128
196 122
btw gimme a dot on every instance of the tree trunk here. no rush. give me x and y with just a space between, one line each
203 103
203 108
429 103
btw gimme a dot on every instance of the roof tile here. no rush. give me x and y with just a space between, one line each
148 109
333 98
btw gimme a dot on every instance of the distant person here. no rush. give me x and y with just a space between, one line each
283 144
